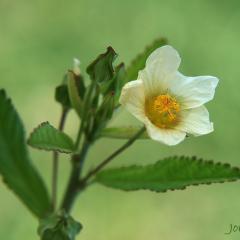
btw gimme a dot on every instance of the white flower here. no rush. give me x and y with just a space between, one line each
76 66
170 104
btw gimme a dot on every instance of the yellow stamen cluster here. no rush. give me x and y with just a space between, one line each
163 110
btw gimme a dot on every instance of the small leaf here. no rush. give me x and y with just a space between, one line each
122 132
101 69
59 227
139 62
15 166
48 138
169 174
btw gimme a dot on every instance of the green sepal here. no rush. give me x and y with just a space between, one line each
139 62
169 174
103 114
115 85
118 81
101 69
48 138
80 85
59 227
62 93
76 96
62 96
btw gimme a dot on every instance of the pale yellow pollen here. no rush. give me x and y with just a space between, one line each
163 110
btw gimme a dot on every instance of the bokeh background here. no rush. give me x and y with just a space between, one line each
38 40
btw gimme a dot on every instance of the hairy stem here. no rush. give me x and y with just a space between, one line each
110 158
55 162
73 184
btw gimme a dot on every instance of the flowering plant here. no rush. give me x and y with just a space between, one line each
169 105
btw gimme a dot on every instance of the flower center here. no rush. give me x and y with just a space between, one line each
163 111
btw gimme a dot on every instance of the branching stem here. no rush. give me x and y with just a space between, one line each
72 187
111 157
77 185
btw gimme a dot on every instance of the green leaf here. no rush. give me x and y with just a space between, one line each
139 62
101 69
59 227
122 132
15 166
48 138
169 174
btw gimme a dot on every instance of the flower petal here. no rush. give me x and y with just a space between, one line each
167 136
165 59
193 91
163 62
196 121
133 98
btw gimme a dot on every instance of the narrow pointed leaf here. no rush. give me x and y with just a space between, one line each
139 62
15 166
48 138
122 132
169 174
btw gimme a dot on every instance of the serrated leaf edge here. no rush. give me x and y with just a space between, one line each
190 159
39 148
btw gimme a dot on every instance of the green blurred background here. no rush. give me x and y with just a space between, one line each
38 40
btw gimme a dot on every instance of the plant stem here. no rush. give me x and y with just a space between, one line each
83 120
55 162
111 157
78 159
80 132
73 184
